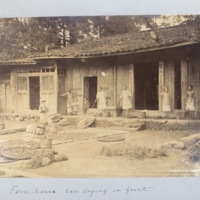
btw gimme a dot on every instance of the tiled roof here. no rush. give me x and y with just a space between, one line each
22 61
126 43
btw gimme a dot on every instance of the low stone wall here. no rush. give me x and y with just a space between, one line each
117 122
20 117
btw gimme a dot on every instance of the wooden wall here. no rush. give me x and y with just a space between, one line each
169 79
20 90
110 77
5 91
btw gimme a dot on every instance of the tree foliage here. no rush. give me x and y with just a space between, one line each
21 36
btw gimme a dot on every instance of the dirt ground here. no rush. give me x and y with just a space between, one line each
85 157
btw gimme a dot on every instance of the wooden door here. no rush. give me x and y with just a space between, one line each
86 88
22 94
62 101
48 92
8 98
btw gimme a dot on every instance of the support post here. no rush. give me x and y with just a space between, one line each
184 82
132 83
160 83
115 85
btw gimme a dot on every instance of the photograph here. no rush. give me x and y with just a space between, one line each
111 96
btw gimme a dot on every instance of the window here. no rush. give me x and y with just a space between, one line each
61 71
47 84
48 69
22 84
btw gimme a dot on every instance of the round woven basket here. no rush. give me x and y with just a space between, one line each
86 121
17 153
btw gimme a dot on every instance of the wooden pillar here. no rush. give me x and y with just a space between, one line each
160 82
56 87
171 83
132 83
184 82
115 85
13 84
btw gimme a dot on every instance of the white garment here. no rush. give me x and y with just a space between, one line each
43 114
166 108
126 99
101 97
190 101
190 104
166 102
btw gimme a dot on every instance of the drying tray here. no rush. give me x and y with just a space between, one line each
17 153
110 138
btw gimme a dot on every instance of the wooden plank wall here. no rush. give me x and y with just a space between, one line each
75 73
169 79
184 82
5 93
193 72
110 77
122 79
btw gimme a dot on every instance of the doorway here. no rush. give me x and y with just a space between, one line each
146 86
90 90
34 87
177 82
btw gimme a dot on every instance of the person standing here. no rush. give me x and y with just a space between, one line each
190 99
43 112
101 99
166 107
126 98
69 108
86 105
190 102
75 107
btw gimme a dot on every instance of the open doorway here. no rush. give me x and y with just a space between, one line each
34 86
177 81
146 86
90 90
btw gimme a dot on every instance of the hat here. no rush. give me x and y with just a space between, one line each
42 100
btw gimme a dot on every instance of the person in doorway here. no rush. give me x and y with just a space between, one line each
190 99
190 105
43 112
101 99
126 98
166 107
86 105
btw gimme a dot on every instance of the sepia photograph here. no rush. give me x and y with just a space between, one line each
100 96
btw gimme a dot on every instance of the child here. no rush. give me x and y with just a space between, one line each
165 100
43 112
86 105
75 107
69 108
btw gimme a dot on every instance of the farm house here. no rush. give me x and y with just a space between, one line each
145 62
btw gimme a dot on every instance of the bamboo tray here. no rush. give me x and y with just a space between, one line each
110 138
17 153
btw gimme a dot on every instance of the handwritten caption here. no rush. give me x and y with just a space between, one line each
16 190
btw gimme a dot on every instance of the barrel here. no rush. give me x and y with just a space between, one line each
53 128
46 143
